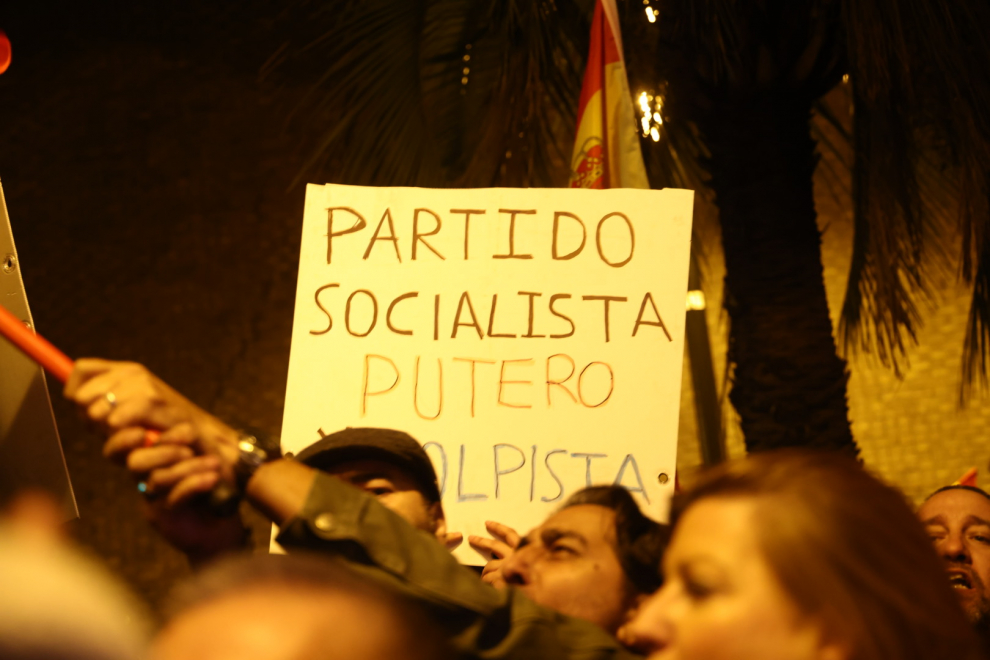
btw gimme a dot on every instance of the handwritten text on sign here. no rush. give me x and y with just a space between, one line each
531 339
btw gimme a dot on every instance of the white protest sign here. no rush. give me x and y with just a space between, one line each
531 339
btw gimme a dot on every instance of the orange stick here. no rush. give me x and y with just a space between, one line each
44 353
35 346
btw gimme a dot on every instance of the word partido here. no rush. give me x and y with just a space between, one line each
568 237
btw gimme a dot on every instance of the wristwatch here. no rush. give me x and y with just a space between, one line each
253 450
252 453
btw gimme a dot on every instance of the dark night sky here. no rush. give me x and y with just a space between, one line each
146 170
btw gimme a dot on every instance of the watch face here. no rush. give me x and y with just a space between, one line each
251 454
264 441
247 445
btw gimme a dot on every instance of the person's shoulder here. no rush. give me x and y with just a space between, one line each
555 636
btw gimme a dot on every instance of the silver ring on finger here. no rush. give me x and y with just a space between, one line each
111 399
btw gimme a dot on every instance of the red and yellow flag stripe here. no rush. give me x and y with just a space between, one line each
606 149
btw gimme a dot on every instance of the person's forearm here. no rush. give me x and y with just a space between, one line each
279 489
337 517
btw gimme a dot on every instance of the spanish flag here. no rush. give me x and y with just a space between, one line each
606 149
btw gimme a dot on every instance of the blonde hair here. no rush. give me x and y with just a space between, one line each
848 550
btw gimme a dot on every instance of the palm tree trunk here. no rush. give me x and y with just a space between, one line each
788 383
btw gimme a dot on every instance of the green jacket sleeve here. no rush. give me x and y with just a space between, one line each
485 622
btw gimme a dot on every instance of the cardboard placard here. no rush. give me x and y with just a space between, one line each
531 339
30 450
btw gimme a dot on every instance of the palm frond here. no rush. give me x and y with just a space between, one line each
921 86
443 92
367 96
455 92
894 225
976 346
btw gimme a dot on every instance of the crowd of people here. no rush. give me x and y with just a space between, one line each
788 555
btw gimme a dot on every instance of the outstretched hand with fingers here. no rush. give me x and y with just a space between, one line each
504 542
192 450
122 395
126 401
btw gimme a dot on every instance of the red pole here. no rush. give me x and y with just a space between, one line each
35 346
44 353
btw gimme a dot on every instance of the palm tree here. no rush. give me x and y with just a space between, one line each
457 93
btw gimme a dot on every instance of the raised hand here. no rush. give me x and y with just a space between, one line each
193 452
504 543
120 395
125 400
